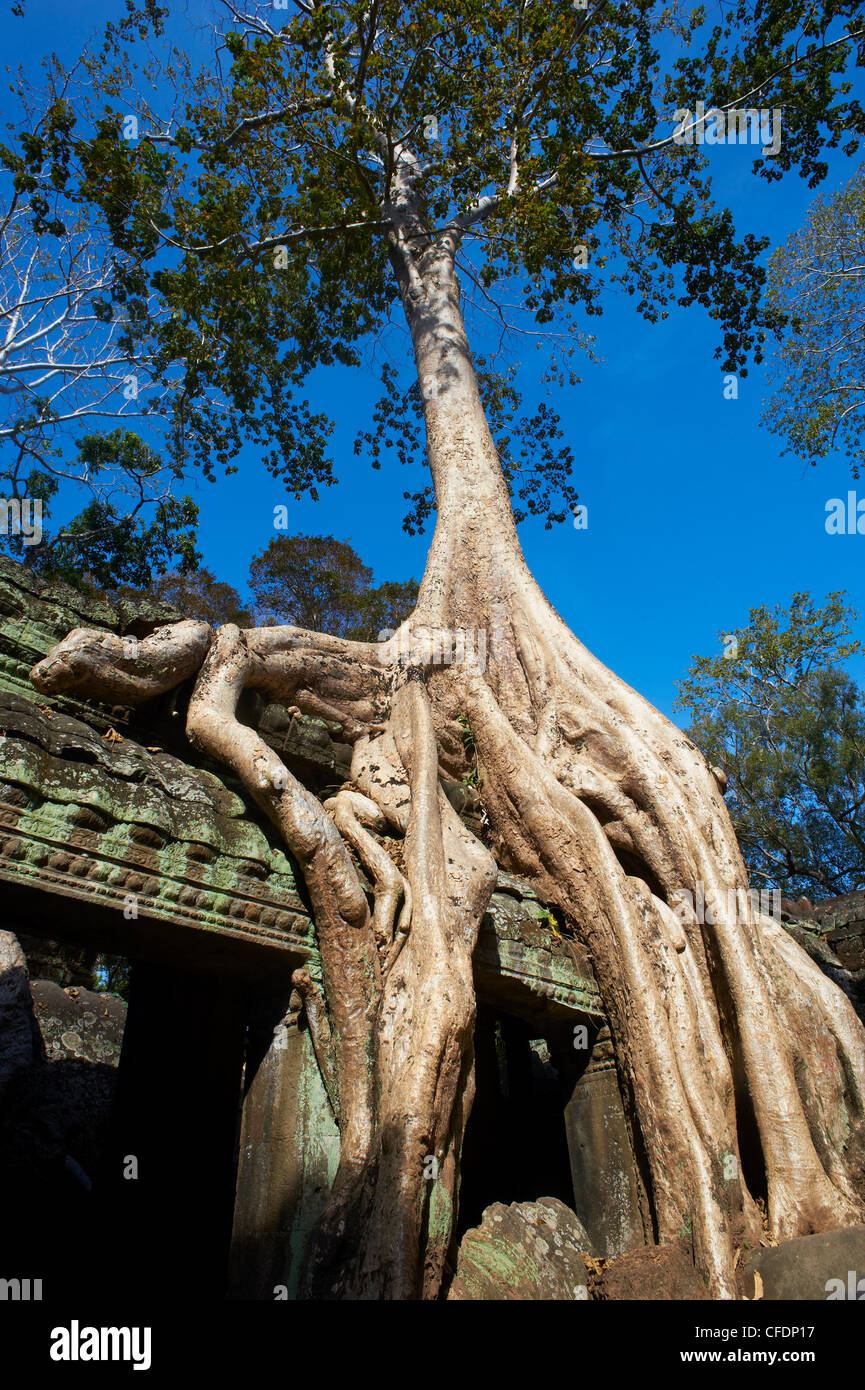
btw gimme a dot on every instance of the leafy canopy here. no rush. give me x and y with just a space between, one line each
780 716
276 186
195 594
817 283
320 583
126 533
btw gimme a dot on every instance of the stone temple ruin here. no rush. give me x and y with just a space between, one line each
199 1151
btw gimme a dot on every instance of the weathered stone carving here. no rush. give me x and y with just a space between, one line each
833 934
608 1197
139 834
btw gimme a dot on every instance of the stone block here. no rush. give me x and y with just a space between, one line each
819 1268
606 1191
525 1252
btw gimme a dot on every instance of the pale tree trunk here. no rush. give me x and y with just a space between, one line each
589 793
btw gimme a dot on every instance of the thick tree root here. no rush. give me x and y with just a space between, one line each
617 816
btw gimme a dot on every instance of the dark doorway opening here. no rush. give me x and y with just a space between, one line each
122 1155
515 1147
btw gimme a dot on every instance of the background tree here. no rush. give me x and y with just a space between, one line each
199 594
321 583
308 581
383 609
65 358
787 725
79 365
111 975
115 540
362 161
817 286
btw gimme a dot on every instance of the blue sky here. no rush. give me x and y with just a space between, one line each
693 514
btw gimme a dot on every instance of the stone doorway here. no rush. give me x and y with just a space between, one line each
516 1147
118 1140
548 1121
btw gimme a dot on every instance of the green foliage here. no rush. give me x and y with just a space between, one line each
111 975
320 583
196 594
468 736
548 918
261 212
126 534
817 283
384 608
471 778
104 546
778 714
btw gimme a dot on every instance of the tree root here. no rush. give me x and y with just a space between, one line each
609 810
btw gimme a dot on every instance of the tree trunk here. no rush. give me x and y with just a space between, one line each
724 1031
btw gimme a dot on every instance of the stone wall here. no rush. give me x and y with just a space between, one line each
833 934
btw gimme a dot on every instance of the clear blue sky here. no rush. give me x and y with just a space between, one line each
693 515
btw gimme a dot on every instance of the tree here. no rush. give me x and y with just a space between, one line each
817 286
383 610
787 727
80 345
366 160
111 975
67 359
65 356
321 583
200 596
112 542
